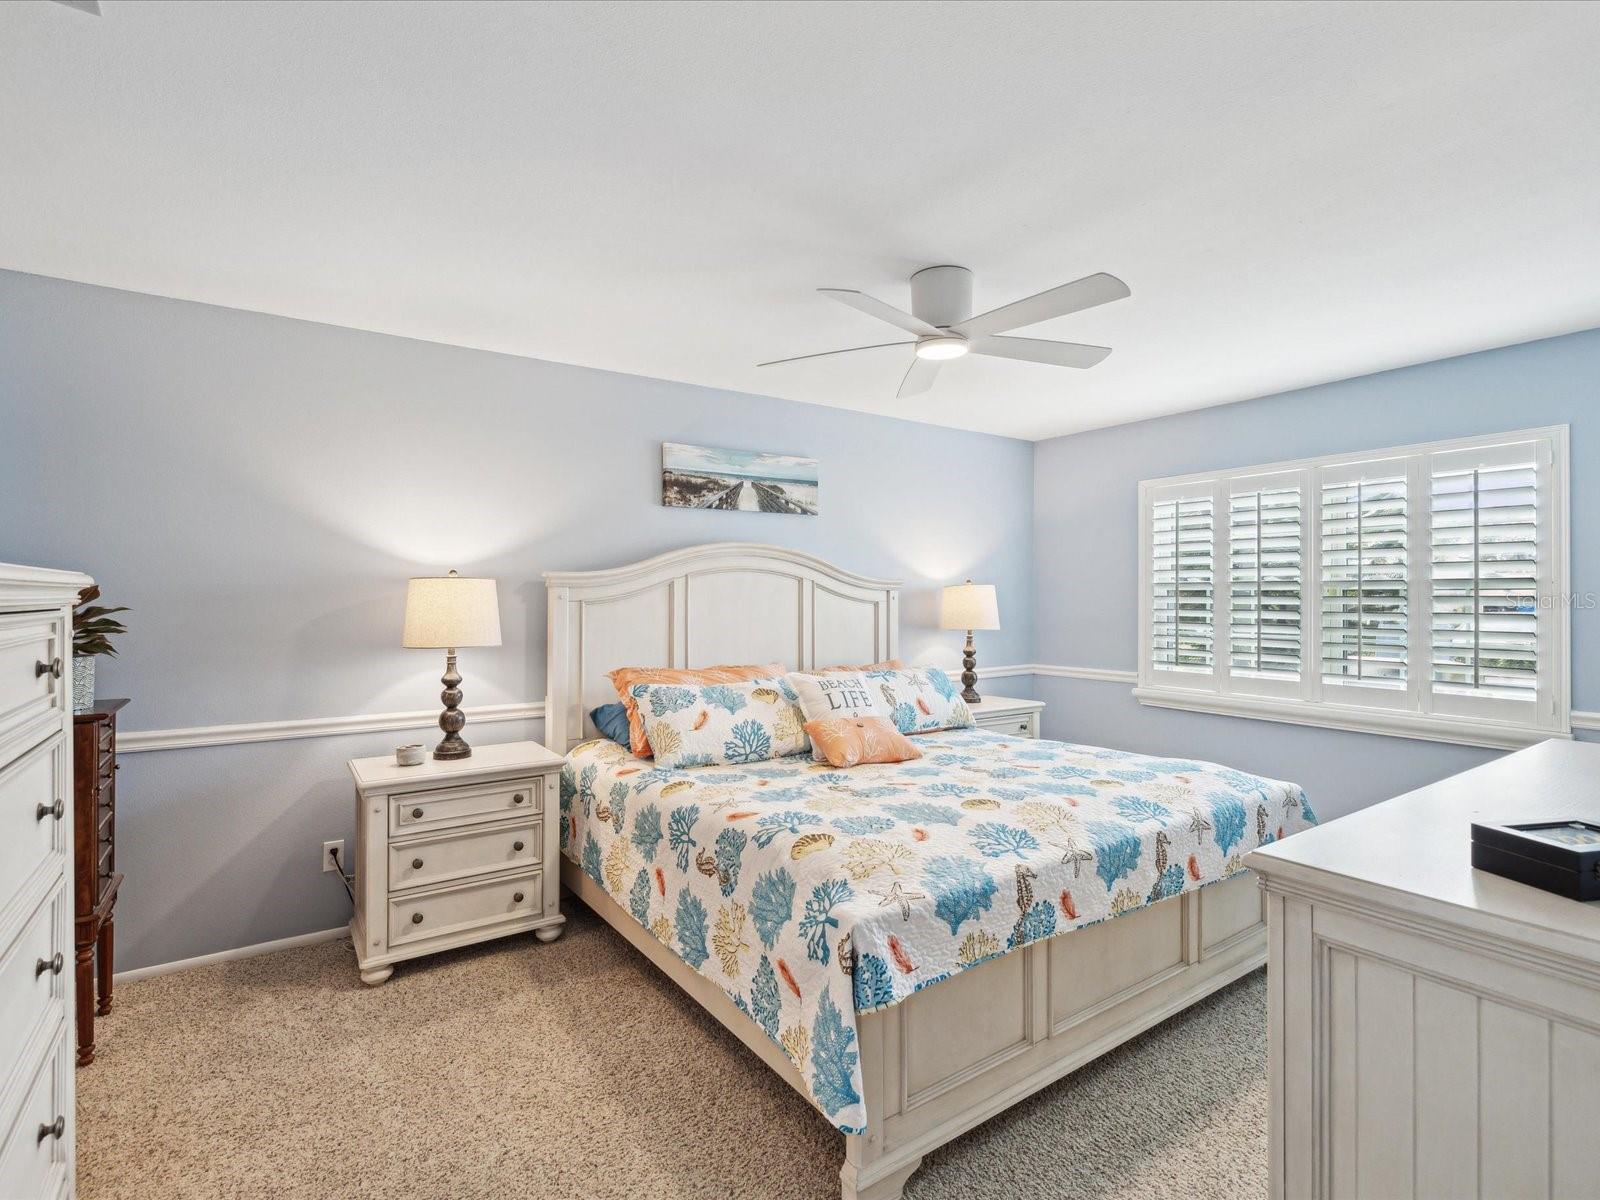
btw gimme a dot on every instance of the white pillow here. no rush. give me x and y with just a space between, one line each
840 694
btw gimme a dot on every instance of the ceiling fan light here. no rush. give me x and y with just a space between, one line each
941 349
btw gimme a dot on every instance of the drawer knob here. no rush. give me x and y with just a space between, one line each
56 810
518 798
516 898
51 668
416 814
416 864
416 918
55 1129
53 965
517 846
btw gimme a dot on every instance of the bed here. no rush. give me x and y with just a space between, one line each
916 946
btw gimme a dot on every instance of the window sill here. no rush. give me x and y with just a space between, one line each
1461 731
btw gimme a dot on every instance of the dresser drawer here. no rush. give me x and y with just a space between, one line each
31 1165
467 906
443 808
26 694
1023 725
29 998
440 859
26 838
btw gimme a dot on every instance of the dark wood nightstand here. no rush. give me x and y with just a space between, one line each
95 874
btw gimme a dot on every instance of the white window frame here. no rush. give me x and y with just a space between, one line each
1412 711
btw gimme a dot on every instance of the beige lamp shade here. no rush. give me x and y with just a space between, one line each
969 606
447 611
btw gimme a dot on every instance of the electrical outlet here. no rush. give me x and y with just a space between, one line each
328 848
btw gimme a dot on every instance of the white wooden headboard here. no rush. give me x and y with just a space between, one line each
726 602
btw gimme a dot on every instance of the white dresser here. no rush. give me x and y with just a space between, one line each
1434 1031
36 1093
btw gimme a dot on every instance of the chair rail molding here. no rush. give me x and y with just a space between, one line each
134 742
201 736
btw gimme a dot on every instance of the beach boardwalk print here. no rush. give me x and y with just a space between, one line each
737 480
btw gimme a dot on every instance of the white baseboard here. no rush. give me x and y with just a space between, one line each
288 943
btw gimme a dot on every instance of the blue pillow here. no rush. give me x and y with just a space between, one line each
612 720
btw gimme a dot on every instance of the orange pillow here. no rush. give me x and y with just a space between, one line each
624 678
892 664
851 741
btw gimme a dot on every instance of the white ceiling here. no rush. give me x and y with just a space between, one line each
1294 192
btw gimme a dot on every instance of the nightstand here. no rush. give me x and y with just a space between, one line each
1008 715
450 853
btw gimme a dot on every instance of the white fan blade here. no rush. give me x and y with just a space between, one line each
919 378
1057 354
825 353
884 312
1057 302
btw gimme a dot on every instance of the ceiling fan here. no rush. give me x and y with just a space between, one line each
941 317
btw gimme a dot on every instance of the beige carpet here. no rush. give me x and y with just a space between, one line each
575 1069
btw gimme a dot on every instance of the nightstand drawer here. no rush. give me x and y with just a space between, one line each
446 807
1022 726
451 856
466 906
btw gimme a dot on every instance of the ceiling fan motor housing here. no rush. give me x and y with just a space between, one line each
942 296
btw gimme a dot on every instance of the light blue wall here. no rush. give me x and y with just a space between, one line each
1086 539
258 490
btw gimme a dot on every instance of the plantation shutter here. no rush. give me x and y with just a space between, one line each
1265 581
1364 587
1181 575
1486 570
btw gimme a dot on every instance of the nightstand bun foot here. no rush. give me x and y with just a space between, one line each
376 975
548 933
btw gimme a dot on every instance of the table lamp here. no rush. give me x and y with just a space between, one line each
969 606
446 613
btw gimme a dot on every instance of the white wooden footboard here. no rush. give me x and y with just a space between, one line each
965 1049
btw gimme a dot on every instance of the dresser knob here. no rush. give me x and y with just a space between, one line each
416 814
416 918
51 668
416 864
56 810
516 898
53 965
518 798
517 846
55 1129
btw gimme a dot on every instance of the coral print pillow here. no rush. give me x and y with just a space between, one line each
720 724
623 679
920 700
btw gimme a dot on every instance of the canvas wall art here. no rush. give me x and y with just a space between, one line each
737 480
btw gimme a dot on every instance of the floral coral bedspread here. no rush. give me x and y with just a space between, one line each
811 894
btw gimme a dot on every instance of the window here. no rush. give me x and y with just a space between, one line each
1419 591
1181 583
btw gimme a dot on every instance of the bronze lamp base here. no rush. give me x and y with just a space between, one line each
452 720
969 673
